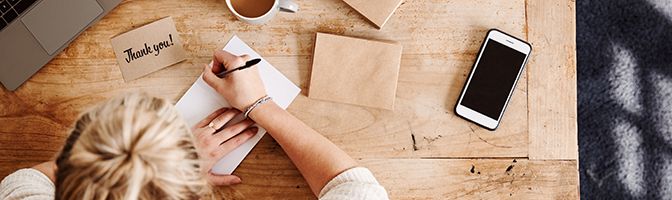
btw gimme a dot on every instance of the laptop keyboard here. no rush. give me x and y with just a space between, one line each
11 9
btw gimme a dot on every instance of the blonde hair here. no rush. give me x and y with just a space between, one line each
131 147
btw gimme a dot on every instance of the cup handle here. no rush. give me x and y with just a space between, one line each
288 6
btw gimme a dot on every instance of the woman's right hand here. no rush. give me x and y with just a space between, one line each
241 88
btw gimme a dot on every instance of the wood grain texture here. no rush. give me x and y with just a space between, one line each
552 72
267 167
440 40
438 54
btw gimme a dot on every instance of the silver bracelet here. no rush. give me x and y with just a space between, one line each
261 100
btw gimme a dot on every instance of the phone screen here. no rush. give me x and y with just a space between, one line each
493 79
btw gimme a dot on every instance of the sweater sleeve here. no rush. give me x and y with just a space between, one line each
355 183
27 184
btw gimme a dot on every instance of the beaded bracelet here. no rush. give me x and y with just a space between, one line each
261 100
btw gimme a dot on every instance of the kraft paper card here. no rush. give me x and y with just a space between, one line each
201 100
147 49
377 11
355 71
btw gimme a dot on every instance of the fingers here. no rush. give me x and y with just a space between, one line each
211 78
233 130
210 117
223 180
218 58
245 57
221 57
224 118
240 126
237 140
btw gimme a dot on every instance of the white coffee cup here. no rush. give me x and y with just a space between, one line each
282 5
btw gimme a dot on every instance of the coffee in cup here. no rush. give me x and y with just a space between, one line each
259 11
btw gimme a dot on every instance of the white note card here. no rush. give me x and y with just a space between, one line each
201 100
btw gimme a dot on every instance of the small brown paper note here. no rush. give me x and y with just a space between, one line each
147 49
377 11
355 71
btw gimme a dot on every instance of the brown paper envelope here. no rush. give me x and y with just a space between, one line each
152 46
377 11
355 71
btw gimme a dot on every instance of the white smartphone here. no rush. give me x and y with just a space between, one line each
493 78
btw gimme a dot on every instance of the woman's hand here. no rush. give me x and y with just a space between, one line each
212 145
241 88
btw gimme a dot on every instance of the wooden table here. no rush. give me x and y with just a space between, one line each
421 150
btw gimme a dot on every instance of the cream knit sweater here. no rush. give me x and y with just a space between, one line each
355 183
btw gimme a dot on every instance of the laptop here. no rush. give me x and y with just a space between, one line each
32 32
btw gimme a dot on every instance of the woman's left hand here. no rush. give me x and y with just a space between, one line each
212 144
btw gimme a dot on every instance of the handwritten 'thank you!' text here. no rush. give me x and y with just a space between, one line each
147 50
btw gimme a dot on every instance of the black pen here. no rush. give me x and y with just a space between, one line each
248 64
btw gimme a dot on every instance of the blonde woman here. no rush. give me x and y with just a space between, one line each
137 147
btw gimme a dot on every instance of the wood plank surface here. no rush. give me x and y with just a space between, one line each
421 150
268 168
439 49
552 82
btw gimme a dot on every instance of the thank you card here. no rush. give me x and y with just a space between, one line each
147 49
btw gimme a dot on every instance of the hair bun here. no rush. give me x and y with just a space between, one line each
130 144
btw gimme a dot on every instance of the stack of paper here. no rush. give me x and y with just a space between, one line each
355 71
201 100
